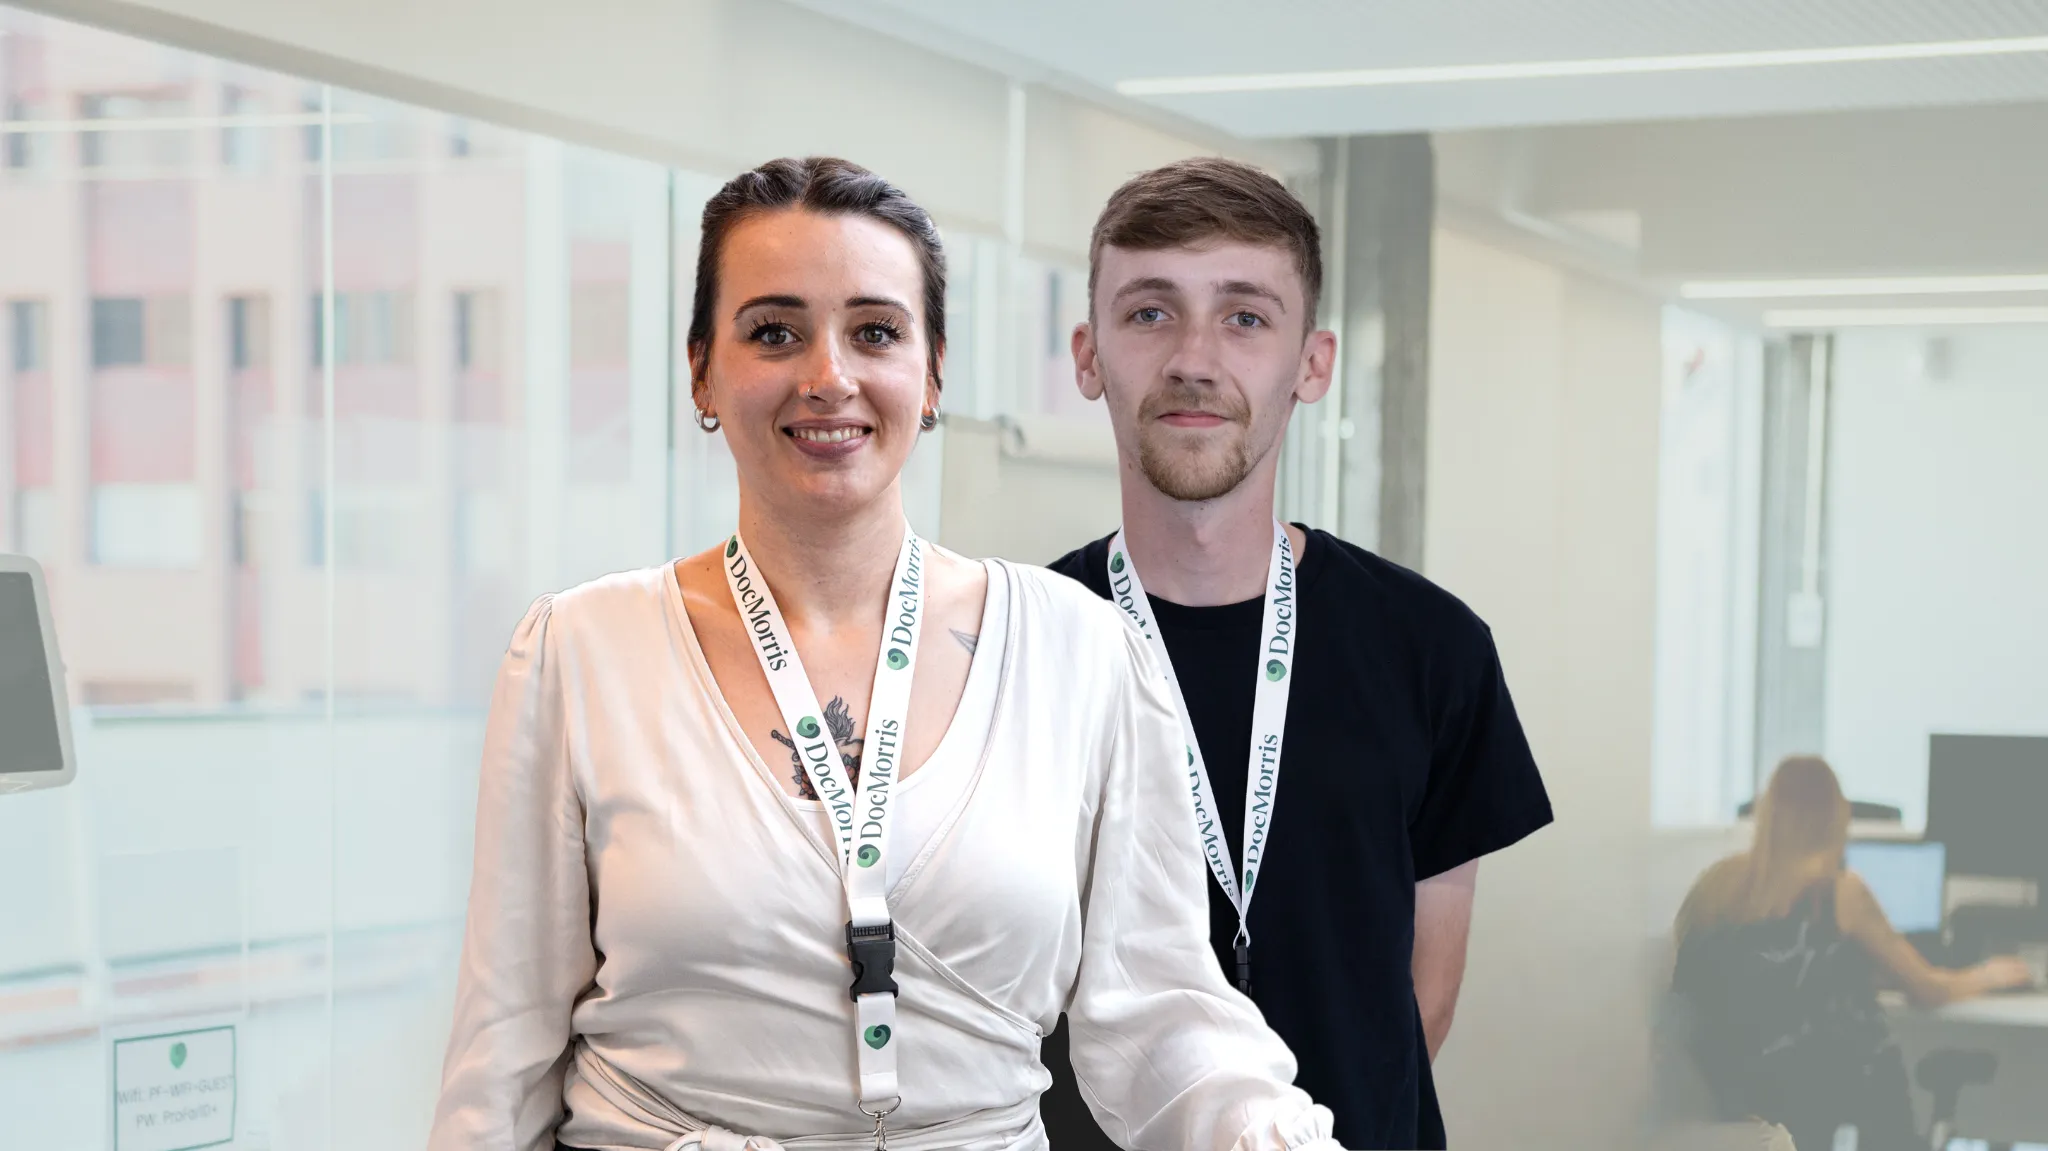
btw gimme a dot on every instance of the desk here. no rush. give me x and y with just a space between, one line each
2014 1107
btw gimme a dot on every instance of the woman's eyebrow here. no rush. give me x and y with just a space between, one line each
876 302
794 302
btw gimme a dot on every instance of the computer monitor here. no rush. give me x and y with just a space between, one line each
1987 798
1907 877
35 720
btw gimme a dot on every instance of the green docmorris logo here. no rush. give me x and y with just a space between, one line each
897 659
733 548
1116 562
877 1036
1275 669
177 1054
867 855
807 727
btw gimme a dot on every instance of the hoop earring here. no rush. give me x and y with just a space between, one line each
707 421
929 420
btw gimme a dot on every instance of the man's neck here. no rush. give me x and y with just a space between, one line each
1201 553
826 572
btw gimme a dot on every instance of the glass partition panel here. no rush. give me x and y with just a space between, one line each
305 396
166 960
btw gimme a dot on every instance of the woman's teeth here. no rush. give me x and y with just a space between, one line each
827 435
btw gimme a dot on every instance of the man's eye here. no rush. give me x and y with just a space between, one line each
1148 315
1245 320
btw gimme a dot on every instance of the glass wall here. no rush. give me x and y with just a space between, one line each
304 396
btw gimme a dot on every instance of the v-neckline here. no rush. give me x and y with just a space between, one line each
801 816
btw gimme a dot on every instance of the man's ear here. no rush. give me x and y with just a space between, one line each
1318 362
1087 376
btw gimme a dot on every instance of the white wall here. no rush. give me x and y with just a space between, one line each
1543 425
1937 561
1709 502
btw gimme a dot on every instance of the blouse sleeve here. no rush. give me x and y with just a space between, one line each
1168 1054
527 954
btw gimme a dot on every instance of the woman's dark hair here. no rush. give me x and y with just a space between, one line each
835 188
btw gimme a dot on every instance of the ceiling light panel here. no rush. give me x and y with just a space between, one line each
1862 286
1557 69
1819 318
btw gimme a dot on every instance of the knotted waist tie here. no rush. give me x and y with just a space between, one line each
719 1139
1006 1127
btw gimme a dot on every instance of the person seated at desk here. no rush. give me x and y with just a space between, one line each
1781 954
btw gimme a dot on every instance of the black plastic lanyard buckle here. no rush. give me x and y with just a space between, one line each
1244 966
873 952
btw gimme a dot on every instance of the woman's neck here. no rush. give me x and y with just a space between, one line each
826 571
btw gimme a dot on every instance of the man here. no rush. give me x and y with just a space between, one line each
1357 710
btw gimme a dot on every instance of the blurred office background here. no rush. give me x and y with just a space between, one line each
1701 347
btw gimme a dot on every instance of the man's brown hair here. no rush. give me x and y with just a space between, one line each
1203 200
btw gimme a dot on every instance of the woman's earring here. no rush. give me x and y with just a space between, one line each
929 420
706 420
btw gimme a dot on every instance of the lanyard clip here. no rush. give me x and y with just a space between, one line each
1244 965
873 953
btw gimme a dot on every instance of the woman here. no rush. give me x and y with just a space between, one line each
693 925
1781 952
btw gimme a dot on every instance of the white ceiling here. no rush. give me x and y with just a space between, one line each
1102 42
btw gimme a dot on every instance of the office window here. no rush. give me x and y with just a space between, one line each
23 149
130 332
382 327
478 331
117 333
30 396
142 146
310 135
370 328
248 332
243 147
28 333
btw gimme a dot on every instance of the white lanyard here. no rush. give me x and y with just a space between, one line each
1273 676
860 819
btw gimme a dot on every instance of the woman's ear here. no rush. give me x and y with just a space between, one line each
700 386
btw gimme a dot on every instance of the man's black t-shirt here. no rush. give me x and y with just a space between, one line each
1402 759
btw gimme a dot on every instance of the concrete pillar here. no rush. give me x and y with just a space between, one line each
1791 672
1390 211
1356 461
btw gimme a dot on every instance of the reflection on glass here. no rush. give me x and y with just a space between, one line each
268 830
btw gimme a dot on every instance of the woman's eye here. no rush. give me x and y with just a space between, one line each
877 335
1148 315
773 335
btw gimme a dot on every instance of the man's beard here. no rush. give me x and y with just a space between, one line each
1185 473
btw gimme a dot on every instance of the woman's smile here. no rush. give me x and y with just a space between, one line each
828 439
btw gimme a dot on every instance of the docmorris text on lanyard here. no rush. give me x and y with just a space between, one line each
1273 675
860 815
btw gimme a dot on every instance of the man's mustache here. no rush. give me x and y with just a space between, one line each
1195 400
